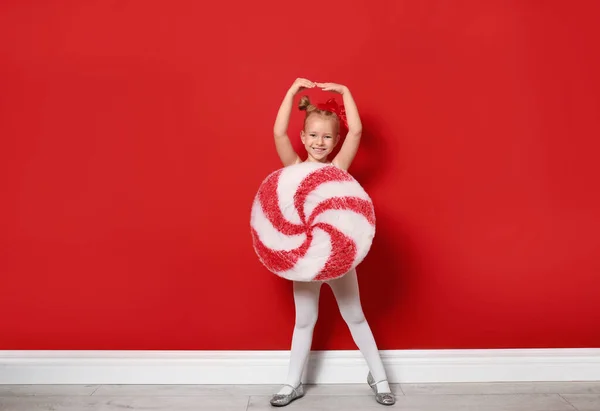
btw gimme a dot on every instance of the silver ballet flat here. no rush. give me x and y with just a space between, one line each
280 400
385 398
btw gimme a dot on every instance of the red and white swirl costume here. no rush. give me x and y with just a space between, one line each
311 222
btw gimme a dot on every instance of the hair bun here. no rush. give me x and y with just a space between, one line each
305 104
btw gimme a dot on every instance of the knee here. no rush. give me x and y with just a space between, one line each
306 320
353 316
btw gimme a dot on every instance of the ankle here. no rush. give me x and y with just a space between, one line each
285 390
383 386
289 387
379 385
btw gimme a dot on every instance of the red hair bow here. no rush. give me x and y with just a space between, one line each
339 110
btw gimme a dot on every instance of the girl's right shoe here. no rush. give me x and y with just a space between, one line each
281 400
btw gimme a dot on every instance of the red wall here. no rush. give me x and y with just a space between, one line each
134 136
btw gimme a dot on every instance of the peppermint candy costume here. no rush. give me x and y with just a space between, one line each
311 222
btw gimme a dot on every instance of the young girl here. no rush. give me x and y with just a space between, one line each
320 136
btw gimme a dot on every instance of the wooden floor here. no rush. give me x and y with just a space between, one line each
582 396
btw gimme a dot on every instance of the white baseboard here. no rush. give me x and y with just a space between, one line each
270 367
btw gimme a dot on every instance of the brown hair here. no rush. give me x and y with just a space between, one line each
310 109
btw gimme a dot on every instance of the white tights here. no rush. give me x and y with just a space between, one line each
306 298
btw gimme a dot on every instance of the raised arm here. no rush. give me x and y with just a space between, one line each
352 141
283 145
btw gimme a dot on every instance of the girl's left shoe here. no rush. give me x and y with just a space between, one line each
385 398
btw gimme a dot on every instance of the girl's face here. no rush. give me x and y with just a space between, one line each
319 137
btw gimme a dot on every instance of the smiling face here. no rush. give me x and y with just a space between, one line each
320 136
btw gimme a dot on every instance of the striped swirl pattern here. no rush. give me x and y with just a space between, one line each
311 222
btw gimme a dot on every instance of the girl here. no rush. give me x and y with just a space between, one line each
320 136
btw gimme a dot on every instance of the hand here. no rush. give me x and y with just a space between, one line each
337 88
301 84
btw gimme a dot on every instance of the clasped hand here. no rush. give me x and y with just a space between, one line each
302 83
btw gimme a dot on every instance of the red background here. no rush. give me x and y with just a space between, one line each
134 136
